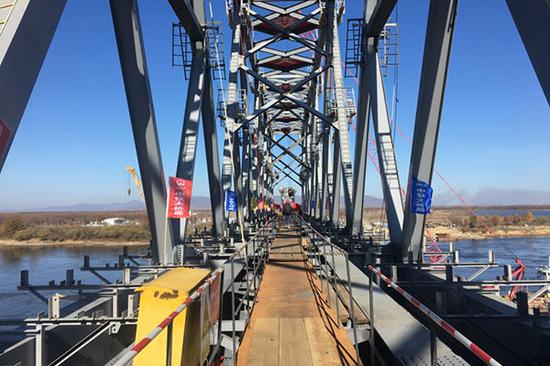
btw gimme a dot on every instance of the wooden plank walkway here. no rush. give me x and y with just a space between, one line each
291 323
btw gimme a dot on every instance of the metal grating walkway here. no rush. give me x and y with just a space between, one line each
291 323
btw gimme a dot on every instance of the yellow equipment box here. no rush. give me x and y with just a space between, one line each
158 299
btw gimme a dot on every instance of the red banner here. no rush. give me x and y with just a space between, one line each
260 204
5 133
179 197
214 306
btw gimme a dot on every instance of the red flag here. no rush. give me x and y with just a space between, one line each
5 133
215 289
179 197
261 204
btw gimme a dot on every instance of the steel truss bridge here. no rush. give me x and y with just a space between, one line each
285 114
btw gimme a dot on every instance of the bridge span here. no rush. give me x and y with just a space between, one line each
287 274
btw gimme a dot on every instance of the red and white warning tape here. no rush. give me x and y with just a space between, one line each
139 346
481 354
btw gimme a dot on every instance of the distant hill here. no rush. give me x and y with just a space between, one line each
485 197
197 203
371 202
133 205
494 196
368 202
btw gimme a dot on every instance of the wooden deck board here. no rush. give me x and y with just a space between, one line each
320 343
290 301
265 342
293 346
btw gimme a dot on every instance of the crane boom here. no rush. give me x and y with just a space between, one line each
132 171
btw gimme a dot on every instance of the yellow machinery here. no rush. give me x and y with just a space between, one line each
132 171
158 299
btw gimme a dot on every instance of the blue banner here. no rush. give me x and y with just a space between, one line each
421 196
313 204
231 201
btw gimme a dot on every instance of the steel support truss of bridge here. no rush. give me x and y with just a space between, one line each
285 114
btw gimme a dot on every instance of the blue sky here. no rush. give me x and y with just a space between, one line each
75 138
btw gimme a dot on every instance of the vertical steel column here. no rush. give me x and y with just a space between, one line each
387 163
241 153
532 20
261 162
269 180
246 170
306 173
226 167
212 157
361 135
314 166
313 182
324 211
232 111
254 158
330 174
237 176
131 52
24 41
254 166
437 49
261 168
336 182
188 145
333 46
327 79
319 181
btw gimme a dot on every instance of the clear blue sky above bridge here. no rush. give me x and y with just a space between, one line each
75 137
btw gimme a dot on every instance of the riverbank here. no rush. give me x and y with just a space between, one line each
454 233
35 243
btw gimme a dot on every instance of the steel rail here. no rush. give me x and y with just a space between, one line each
478 352
336 279
141 344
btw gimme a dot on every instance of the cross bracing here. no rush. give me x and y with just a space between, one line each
278 94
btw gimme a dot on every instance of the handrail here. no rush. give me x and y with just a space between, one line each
166 322
482 355
257 235
335 277
139 346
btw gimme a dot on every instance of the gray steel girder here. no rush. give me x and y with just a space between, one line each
140 105
333 44
187 16
376 13
532 20
387 163
337 181
212 155
25 38
188 144
231 162
437 49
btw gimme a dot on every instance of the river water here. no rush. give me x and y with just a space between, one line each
532 251
50 263
46 264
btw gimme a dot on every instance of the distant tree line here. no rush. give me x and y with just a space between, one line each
480 221
72 226
16 229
